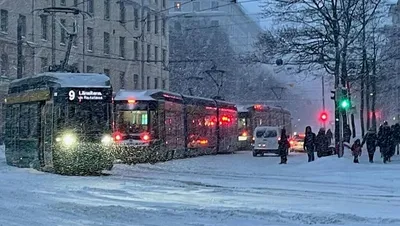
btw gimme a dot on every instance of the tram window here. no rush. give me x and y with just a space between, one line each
242 123
133 121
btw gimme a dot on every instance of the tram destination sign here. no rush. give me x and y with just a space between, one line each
87 95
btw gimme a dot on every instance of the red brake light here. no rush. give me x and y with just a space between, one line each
145 137
244 134
131 101
117 137
291 142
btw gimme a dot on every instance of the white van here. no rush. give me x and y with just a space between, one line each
266 140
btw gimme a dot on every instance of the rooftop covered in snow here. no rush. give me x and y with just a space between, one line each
56 79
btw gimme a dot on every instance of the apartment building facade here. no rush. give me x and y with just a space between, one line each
226 15
125 39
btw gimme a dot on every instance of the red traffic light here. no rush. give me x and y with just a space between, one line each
323 116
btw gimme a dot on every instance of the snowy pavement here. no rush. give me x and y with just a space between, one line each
211 190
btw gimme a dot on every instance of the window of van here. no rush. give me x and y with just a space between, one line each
270 133
260 133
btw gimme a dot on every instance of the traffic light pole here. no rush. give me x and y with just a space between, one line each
339 118
323 97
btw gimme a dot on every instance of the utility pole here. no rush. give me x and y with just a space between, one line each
142 39
33 37
53 34
19 48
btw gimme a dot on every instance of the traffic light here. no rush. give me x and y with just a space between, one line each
323 116
344 103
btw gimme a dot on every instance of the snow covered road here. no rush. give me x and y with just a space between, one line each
211 190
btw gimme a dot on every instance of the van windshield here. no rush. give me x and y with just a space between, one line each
270 133
260 133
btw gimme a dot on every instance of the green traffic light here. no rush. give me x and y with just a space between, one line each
345 104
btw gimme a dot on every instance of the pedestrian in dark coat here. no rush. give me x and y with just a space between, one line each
321 143
347 134
397 136
283 147
309 144
371 139
356 150
329 136
384 141
393 142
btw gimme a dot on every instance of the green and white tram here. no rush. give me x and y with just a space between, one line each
60 122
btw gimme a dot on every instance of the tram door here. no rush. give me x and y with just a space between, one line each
46 138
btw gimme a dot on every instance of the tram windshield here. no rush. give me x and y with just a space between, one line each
132 121
88 118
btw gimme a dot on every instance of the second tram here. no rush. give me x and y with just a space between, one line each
169 121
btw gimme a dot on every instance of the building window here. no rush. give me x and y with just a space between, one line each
178 6
90 6
107 72
196 6
122 79
214 23
106 43
43 21
122 12
155 83
135 81
148 22
164 27
136 50
63 2
4 20
22 19
90 38
156 22
148 53
164 3
164 84
148 82
4 64
155 54
164 56
44 62
63 32
142 81
214 6
136 17
89 69
122 46
107 6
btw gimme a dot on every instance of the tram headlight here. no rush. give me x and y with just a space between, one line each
106 140
67 139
